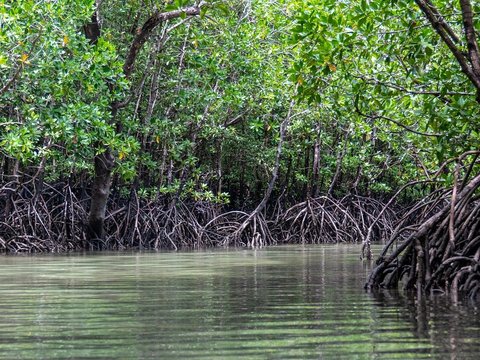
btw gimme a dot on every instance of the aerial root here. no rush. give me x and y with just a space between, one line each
328 220
435 247
48 222
54 220
160 223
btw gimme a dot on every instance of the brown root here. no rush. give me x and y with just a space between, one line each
328 220
437 245
237 228
160 224
47 222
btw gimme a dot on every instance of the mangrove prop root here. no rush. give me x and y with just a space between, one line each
49 222
54 220
439 249
433 245
328 220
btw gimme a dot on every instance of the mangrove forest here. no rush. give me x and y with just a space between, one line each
191 124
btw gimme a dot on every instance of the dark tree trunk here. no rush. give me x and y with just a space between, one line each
101 188
92 29
103 164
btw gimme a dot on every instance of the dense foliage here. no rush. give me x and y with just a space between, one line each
55 98
392 69
206 100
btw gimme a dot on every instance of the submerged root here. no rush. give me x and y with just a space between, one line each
253 232
160 224
53 220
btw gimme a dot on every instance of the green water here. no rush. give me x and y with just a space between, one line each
273 303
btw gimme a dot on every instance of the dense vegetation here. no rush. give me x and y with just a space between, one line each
190 123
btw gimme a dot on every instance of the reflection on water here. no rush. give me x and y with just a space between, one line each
274 303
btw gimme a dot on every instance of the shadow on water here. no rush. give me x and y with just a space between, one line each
450 325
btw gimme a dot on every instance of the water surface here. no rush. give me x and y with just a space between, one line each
274 303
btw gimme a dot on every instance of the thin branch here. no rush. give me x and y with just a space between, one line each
442 29
455 159
237 119
406 127
373 81
146 30
445 25
376 116
12 80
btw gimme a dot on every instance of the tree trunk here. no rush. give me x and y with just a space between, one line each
306 169
101 188
316 163
283 130
102 163
338 165
218 161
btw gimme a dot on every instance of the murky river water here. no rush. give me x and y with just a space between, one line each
274 303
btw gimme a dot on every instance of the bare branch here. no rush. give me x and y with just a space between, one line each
406 127
376 116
